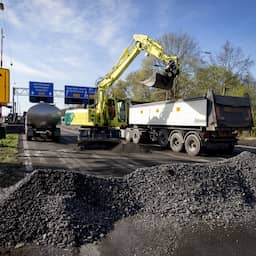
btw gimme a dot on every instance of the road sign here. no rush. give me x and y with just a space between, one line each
4 86
91 91
39 91
75 92
79 94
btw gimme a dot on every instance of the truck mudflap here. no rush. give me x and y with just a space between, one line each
222 143
220 140
161 81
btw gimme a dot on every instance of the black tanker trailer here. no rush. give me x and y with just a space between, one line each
42 120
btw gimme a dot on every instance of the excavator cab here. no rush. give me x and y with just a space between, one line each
163 80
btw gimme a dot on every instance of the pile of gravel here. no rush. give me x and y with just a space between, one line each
69 209
191 209
217 191
62 208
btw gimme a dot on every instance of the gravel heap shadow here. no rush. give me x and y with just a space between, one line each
69 209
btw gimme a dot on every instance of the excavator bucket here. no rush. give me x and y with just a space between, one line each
158 80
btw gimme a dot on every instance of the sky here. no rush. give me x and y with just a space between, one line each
77 41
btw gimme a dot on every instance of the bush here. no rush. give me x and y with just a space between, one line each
253 132
11 141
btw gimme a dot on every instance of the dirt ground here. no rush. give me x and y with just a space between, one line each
247 142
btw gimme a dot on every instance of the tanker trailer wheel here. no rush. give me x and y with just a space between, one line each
136 136
128 136
176 142
29 138
192 145
163 138
230 148
56 138
29 133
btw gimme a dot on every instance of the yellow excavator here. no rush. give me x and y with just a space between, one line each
102 121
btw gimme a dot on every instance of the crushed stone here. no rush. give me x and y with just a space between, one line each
66 209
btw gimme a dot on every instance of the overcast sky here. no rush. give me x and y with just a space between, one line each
77 41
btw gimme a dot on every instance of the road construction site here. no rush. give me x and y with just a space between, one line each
126 200
113 179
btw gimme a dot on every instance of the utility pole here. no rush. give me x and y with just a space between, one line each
2 129
2 37
2 45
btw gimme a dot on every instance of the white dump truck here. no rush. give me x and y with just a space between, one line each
191 124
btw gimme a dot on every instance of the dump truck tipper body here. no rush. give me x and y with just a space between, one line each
195 123
170 113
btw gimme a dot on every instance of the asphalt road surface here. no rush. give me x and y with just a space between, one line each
115 161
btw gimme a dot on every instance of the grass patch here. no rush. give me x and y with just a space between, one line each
248 134
8 149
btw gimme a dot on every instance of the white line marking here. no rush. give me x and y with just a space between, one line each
187 158
244 146
27 159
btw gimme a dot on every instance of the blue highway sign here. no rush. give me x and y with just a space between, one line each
91 90
75 92
40 91
78 94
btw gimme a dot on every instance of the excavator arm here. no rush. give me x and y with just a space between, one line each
151 47
140 43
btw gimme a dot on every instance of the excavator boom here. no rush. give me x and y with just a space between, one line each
103 121
140 43
164 80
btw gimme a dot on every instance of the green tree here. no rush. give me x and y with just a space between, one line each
215 78
138 91
120 90
181 45
228 71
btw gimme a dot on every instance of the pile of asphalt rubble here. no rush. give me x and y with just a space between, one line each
65 208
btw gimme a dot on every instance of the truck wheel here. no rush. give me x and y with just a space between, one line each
136 136
163 138
128 136
56 138
29 138
176 142
230 148
2 133
192 145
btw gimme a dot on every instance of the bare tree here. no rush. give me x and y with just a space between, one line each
233 59
188 52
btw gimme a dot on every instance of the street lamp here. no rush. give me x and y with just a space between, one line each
206 53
